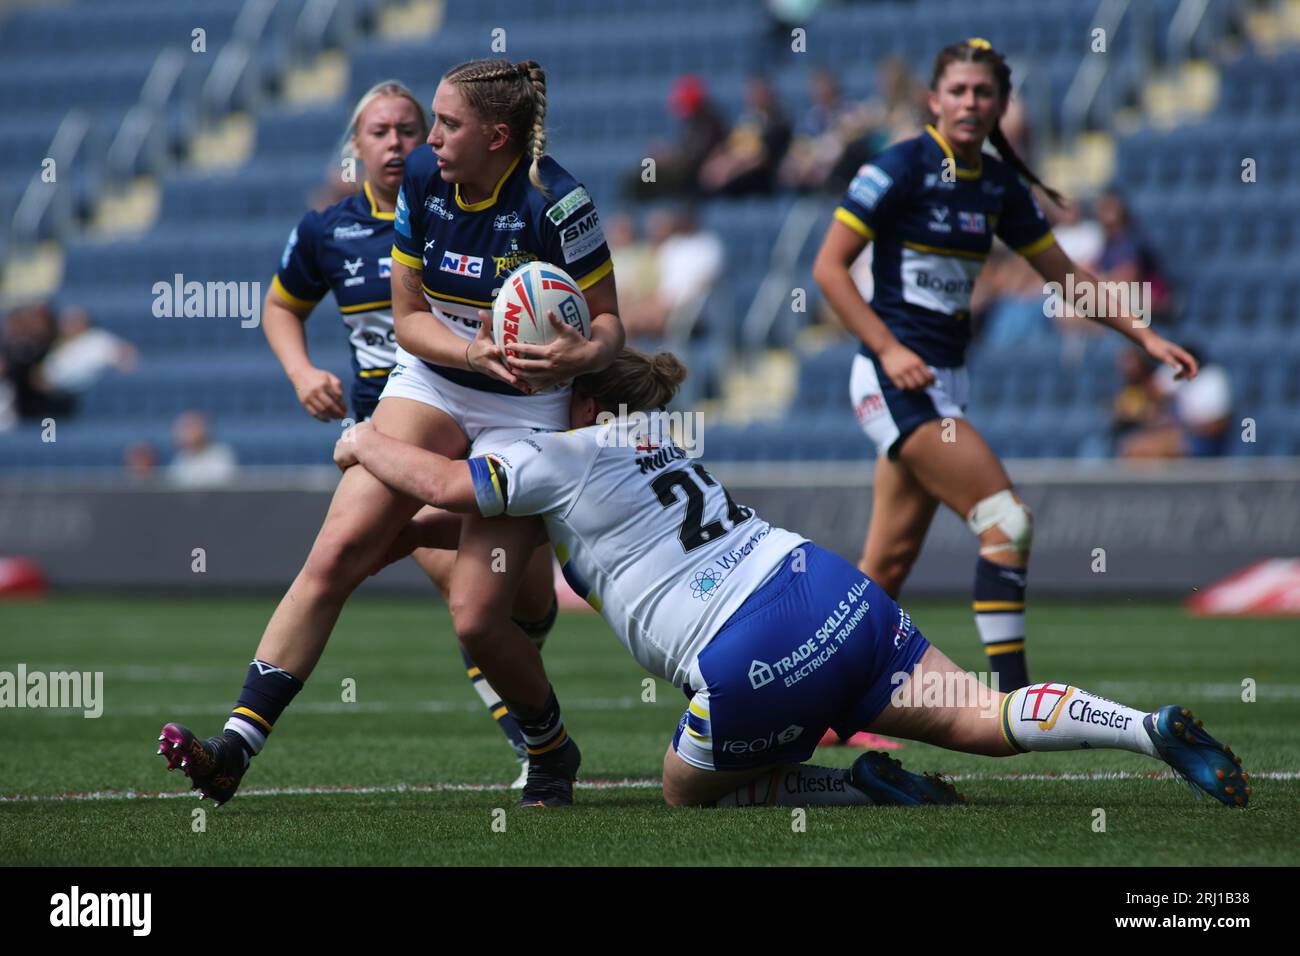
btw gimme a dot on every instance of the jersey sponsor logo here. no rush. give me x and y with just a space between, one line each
705 583
353 230
508 222
1083 711
459 264
1041 701
869 185
760 674
971 222
871 406
582 238
435 205
991 188
512 260
904 629
939 219
353 265
355 280
759 744
386 267
567 205
937 282
288 248
933 181
402 218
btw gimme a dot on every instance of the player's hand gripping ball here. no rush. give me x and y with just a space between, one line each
519 314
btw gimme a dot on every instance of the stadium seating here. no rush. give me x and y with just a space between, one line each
1229 245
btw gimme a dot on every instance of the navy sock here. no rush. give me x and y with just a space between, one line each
544 733
999 607
268 690
500 713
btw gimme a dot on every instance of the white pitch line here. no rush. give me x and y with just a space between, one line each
628 784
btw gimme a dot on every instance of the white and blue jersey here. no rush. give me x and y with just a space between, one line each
932 223
346 249
464 251
774 638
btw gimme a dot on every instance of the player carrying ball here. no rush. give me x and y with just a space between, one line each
932 206
479 200
346 250
773 638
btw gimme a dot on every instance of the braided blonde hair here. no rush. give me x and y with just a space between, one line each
512 93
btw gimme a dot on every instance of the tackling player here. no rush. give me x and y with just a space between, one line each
346 249
932 205
482 199
773 638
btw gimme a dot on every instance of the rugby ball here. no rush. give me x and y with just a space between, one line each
532 290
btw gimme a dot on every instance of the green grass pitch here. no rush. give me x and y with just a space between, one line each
414 758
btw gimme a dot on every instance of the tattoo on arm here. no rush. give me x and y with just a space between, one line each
411 281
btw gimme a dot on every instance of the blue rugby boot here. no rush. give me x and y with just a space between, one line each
1196 756
884 780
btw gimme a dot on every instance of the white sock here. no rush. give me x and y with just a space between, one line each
801 785
1061 717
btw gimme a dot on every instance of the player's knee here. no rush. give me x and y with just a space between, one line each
1006 514
336 563
474 619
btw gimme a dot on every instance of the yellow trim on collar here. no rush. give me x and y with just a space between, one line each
962 173
485 203
374 206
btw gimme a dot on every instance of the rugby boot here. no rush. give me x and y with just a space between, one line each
215 765
1197 757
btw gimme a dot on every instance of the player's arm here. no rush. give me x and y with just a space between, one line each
318 389
841 247
1054 265
420 333
409 469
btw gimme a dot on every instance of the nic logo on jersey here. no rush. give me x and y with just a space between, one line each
461 265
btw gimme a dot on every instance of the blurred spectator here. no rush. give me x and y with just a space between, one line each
140 460
1195 418
1077 232
677 166
636 268
83 353
825 130
1125 257
688 262
748 160
199 462
1137 404
25 340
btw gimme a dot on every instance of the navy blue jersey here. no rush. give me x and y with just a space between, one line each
932 222
465 250
347 249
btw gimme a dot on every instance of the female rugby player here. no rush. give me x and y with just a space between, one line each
480 200
347 249
932 206
773 638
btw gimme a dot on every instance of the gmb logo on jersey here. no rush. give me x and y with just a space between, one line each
869 185
461 265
